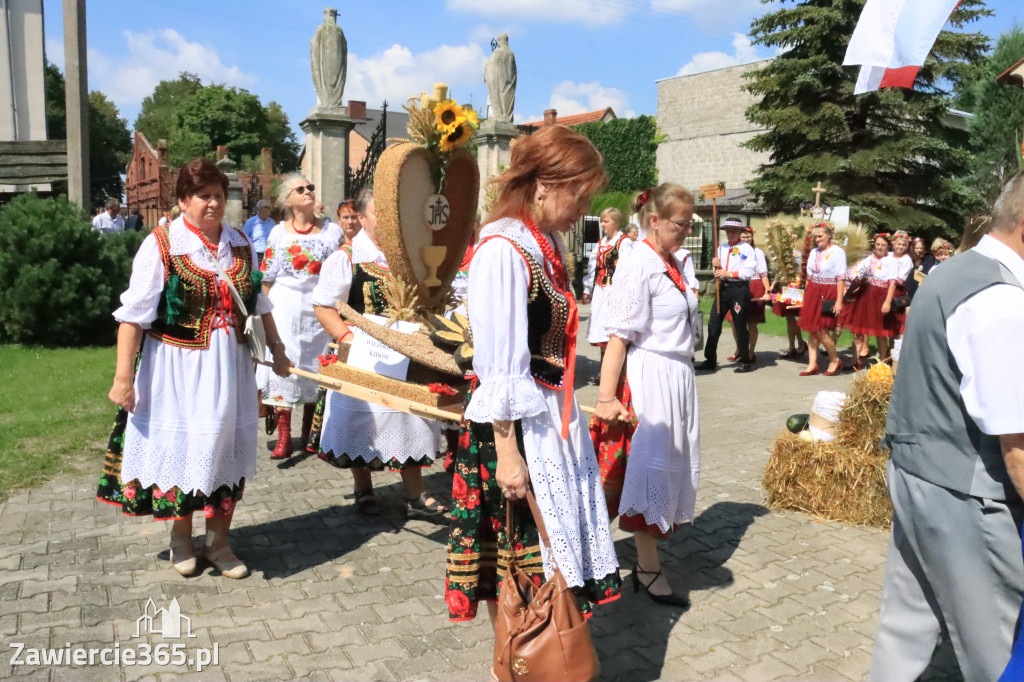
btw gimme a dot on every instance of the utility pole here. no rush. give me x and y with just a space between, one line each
76 99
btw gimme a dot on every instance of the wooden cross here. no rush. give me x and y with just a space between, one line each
818 191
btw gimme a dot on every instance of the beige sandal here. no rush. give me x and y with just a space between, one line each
183 555
225 561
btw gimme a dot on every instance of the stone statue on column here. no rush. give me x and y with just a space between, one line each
328 125
328 53
500 76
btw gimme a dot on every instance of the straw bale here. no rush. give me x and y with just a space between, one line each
843 480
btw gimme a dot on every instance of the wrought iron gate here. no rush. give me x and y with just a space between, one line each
363 177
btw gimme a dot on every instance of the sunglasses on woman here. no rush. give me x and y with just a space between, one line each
302 189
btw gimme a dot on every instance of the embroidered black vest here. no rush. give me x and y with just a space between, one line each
606 264
367 294
190 297
547 314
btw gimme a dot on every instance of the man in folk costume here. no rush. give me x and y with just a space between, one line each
735 265
956 473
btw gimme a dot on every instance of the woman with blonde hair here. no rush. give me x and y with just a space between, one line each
649 313
823 299
612 249
523 429
296 250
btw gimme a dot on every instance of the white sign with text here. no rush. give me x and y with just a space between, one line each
370 354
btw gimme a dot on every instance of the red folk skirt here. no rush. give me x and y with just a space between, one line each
811 319
897 319
756 310
865 314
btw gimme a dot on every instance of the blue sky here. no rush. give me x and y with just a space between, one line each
573 55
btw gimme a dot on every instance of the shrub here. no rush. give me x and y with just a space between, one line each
619 200
59 280
630 149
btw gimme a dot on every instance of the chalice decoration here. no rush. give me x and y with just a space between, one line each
432 257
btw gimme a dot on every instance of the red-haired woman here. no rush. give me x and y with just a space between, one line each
826 267
867 315
185 438
524 429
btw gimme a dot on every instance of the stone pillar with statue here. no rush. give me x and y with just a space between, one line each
328 124
494 141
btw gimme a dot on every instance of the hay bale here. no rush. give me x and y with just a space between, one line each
843 480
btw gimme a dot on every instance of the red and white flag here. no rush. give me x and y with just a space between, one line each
892 40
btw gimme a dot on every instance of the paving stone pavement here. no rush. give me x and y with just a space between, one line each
338 596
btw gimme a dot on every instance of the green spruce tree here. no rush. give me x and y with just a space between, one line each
899 158
998 119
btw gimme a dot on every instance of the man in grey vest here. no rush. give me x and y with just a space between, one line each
956 432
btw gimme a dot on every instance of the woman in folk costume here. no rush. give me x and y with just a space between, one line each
185 438
826 268
613 248
358 435
649 322
523 428
296 250
868 315
903 266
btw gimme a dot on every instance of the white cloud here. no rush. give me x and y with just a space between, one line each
577 98
589 12
709 14
154 56
397 74
743 53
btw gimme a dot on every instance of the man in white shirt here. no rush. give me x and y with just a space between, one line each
955 430
735 265
110 220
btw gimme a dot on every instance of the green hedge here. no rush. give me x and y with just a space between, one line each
630 148
59 280
619 200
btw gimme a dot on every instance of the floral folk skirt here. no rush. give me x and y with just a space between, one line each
163 505
479 543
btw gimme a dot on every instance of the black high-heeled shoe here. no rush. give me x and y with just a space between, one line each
670 599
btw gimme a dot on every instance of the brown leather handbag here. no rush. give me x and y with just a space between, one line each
540 632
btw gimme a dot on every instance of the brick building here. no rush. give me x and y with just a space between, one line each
551 117
149 181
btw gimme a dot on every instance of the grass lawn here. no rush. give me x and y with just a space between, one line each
773 325
54 415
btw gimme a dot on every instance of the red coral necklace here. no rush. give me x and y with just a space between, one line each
672 270
298 231
210 246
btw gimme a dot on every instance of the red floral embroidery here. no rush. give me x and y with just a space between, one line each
464 439
157 493
295 249
314 267
495 525
300 261
485 475
457 602
171 496
459 487
129 492
327 359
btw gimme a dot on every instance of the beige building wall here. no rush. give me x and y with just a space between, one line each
22 99
703 117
